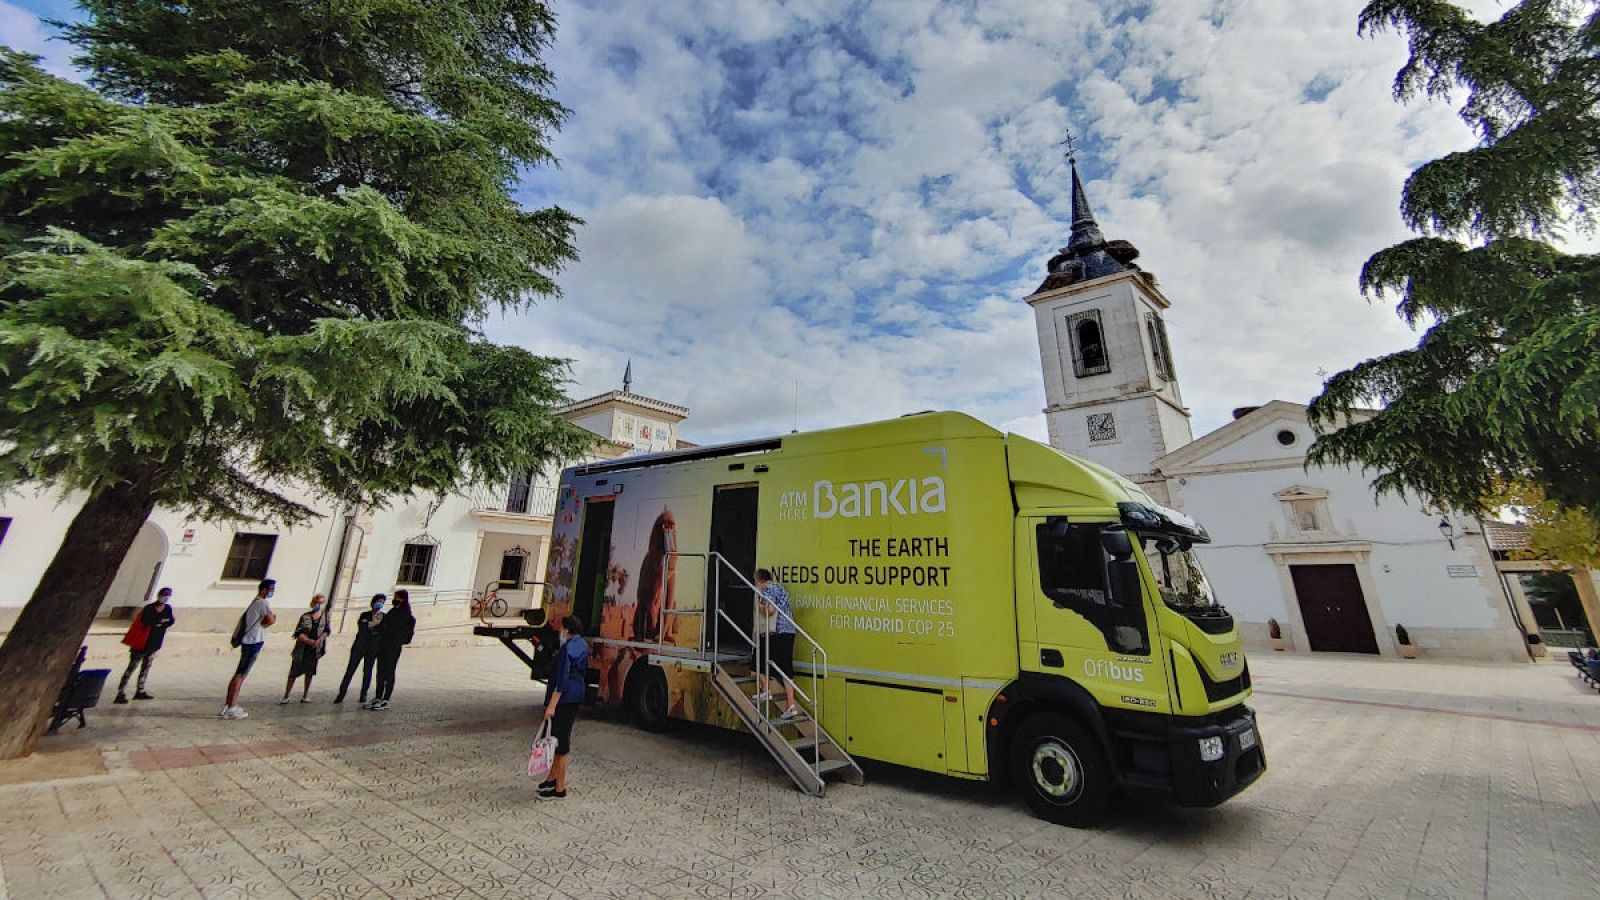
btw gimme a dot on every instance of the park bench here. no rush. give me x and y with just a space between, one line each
81 692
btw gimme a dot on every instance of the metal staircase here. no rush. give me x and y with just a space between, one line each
799 744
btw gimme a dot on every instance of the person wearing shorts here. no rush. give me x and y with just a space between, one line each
777 619
563 698
256 620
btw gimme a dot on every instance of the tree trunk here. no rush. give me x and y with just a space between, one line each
37 655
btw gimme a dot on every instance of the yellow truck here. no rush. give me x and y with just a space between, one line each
965 601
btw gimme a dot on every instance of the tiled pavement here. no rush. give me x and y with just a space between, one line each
1387 779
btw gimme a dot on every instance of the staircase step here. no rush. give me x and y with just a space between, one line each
833 765
805 742
793 720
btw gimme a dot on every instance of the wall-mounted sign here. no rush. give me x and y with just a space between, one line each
1462 571
188 535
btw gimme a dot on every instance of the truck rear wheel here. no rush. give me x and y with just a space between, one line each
1061 771
649 695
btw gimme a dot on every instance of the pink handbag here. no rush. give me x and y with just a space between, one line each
543 754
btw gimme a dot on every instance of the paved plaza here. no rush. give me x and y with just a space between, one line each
1386 779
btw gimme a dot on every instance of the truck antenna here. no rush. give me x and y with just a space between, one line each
796 429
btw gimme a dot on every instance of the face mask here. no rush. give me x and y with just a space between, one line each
378 607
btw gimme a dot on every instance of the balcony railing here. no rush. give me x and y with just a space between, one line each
516 499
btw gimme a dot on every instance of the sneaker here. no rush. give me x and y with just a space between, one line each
792 712
762 696
141 695
284 702
552 793
121 698
234 712
548 785
381 705
305 699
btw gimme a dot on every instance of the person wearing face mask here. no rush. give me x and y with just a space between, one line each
249 635
394 633
364 650
310 642
564 695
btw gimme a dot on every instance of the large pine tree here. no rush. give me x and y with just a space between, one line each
1504 385
253 253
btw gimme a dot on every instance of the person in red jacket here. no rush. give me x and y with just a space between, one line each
155 618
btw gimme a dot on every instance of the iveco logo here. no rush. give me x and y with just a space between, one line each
1230 659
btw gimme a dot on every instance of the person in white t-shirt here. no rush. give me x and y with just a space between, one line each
257 619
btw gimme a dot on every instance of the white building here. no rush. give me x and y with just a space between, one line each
443 550
1311 549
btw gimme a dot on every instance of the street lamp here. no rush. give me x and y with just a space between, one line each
1448 531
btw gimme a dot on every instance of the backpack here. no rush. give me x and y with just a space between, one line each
240 628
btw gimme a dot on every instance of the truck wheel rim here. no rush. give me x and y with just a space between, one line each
1056 771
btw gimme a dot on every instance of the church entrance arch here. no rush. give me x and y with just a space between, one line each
1333 608
136 578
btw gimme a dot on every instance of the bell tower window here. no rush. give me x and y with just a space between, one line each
1159 349
1088 344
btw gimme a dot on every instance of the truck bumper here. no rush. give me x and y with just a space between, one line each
1199 781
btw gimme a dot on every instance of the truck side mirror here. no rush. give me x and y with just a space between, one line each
1117 544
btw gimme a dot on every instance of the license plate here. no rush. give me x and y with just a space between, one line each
1247 739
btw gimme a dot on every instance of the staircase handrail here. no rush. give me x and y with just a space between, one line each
762 646
817 648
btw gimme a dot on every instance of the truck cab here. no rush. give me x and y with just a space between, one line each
1131 673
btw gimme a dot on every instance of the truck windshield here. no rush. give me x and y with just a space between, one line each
1183 583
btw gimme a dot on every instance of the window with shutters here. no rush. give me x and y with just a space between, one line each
1157 330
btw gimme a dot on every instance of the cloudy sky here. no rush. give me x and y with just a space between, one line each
846 202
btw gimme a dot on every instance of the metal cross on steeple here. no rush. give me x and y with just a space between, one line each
1072 147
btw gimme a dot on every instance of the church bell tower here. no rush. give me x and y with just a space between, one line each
1109 380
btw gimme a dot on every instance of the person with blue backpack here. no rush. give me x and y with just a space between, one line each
564 695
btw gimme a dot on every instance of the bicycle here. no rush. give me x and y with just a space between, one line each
490 604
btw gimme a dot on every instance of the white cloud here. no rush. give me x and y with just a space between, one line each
854 198
22 30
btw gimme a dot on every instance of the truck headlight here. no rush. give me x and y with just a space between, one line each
1210 749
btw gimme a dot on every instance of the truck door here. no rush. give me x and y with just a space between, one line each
594 558
734 510
1091 619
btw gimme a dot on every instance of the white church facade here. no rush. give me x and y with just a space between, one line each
1310 549
444 550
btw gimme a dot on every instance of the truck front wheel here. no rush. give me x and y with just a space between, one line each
1061 771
